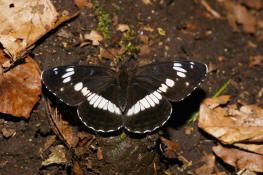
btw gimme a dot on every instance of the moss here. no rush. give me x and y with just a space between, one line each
103 18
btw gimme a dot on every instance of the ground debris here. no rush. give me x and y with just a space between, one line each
57 156
20 88
239 158
241 127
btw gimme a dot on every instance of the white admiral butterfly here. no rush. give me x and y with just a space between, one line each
136 99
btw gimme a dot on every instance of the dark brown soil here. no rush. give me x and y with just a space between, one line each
189 35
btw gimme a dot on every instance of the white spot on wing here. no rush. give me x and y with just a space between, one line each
70 69
169 82
141 106
150 101
163 88
180 74
145 103
97 102
136 108
177 64
130 111
55 69
85 91
110 107
90 96
117 110
66 80
179 69
78 86
187 83
105 107
102 103
158 95
67 74
92 101
154 99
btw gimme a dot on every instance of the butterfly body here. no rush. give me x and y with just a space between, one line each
135 99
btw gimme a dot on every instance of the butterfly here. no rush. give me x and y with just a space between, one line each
134 99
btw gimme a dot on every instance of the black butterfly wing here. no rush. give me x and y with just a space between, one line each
93 89
71 84
173 79
156 84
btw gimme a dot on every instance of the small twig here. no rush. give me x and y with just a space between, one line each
209 9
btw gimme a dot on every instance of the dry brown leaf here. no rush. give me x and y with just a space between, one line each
57 156
122 27
23 23
76 168
63 129
110 53
238 14
240 159
99 154
257 4
170 149
232 125
209 165
145 50
147 2
20 88
255 60
8 132
94 36
80 3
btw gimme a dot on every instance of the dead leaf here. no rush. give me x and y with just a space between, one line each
239 159
209 165
147 2
8 132
238 14
57 156
145 50
256 4
110 53
49 141
171 149
76 168
80 3
99 154
94 36
148 29
241 127
122 27
24 23
62 128
20 88
255 60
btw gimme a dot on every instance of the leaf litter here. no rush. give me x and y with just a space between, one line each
241 127
20 88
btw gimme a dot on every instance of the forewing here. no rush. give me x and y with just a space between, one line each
73 84
174 79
